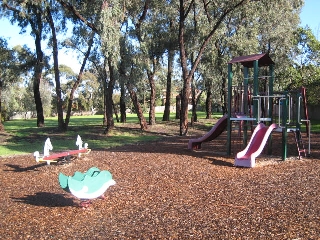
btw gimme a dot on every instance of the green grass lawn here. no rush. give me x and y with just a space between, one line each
23 137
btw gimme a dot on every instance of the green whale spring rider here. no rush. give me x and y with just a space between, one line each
88 185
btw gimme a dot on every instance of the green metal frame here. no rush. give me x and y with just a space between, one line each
255 105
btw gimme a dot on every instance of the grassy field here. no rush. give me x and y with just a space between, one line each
23 137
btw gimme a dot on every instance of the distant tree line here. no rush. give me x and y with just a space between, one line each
144 53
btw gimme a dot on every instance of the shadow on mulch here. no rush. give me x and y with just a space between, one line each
46 199
17 168
218 162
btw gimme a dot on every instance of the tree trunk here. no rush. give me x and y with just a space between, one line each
195 100
123 114
61 124
184 9
109 101
208 104
152 114
139 111
184 107
122 72
115 110
224 96
209 101
1 125
38 76
178 106
78 81
166 114
105 86
185 93
194 117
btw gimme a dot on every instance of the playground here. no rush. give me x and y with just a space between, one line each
166 191
228 181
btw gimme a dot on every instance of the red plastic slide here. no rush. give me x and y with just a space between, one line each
247 157
215 131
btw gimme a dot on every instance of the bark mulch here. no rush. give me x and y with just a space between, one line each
165 191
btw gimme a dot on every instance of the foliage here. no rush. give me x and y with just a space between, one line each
305 68
137 36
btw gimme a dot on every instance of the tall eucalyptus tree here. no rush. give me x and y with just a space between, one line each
152 38
31 13
218 11
102 17
255 28
6 58
171 47
52 17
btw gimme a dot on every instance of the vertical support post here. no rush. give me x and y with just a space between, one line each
230 75
298 110
270 111
298 115
284 106
305 107
245 104
271 80
255 90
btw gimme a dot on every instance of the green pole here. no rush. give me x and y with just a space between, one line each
271 80
255 90
230 74
298 109
245 104
284 126
298 115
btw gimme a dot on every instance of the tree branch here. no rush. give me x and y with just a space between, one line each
215 27
72 9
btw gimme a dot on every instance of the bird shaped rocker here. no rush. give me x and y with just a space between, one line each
86 186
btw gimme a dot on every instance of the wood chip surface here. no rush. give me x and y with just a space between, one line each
165 191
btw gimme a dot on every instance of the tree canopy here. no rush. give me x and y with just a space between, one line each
150 51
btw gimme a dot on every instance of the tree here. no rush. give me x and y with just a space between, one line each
103 18
15 66
187 74
6 58
305 69
259 27
30 13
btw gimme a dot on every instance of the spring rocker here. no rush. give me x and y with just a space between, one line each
55 157
87 186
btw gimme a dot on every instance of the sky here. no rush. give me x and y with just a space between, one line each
309 17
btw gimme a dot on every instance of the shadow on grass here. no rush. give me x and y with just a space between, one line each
17 168
46 199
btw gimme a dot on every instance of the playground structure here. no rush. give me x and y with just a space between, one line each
254 102
215 131
247 157
88 185
55 157
257 102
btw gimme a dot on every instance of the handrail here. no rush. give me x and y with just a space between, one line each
309 140
258 110
299 107
279 109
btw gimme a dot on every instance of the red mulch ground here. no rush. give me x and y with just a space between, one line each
165 191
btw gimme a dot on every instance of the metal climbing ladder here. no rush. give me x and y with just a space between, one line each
299 142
